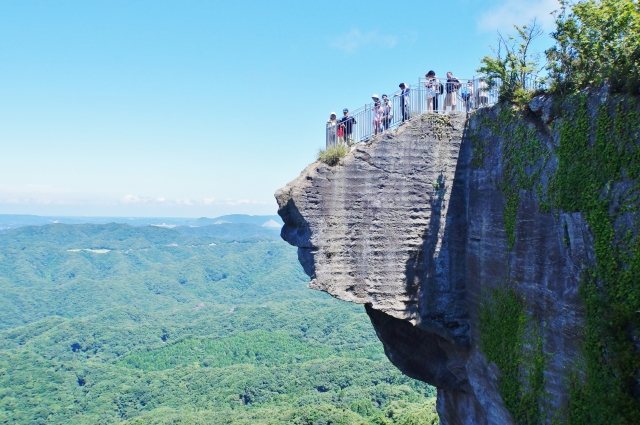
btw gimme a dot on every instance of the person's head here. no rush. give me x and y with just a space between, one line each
378 103
402 86
469 83
385 98
449 74
375 97
430 74
333 116
345 111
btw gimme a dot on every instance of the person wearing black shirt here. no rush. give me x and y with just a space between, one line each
347 122
451 99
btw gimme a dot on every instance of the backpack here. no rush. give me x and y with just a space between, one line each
440 89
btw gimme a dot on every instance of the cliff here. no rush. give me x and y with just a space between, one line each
494 255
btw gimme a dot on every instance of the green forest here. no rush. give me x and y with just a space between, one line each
114 324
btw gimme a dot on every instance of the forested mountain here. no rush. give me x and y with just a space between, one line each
109 323
13 221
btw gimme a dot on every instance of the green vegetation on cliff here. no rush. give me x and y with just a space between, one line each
596 141
104 324
596 174
505 330
333 154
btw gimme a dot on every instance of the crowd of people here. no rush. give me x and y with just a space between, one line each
473 94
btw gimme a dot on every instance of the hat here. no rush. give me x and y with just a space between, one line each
345 110
432 72
333 113
384 95
375 96
402 84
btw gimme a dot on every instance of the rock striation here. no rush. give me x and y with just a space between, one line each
413 225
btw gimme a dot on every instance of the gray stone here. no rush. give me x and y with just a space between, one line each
542 105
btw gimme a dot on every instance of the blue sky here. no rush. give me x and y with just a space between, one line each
203 108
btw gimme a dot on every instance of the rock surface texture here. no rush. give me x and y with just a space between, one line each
407 226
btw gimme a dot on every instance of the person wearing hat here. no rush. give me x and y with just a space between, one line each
431 86
405 101
346 124
378 112
332 128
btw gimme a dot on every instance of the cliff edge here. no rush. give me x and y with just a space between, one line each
460 237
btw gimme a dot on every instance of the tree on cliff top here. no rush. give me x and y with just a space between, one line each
597 42
514 65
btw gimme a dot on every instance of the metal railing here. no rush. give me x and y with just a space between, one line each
435 95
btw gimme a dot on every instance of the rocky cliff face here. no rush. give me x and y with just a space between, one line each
430 227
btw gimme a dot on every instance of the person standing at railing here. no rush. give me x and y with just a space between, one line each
387 115
483 93
467 95
405 101
451 99
346 124
332 129
431 86
378 112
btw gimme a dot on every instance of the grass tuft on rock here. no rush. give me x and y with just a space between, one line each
333 154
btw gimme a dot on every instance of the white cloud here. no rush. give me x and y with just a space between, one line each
128 200
32 189
518 12
355 40
186 202
37 201
131 199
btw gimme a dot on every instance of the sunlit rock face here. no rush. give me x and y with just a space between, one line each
406 226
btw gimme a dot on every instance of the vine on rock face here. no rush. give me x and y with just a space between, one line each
599 178
511 339
508 335
524 157
597 174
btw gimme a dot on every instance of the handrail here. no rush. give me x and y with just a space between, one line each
365 122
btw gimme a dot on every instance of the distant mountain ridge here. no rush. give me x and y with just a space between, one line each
13 221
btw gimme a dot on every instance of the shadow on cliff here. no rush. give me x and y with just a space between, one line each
420 351
418 264
435 273
296 232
